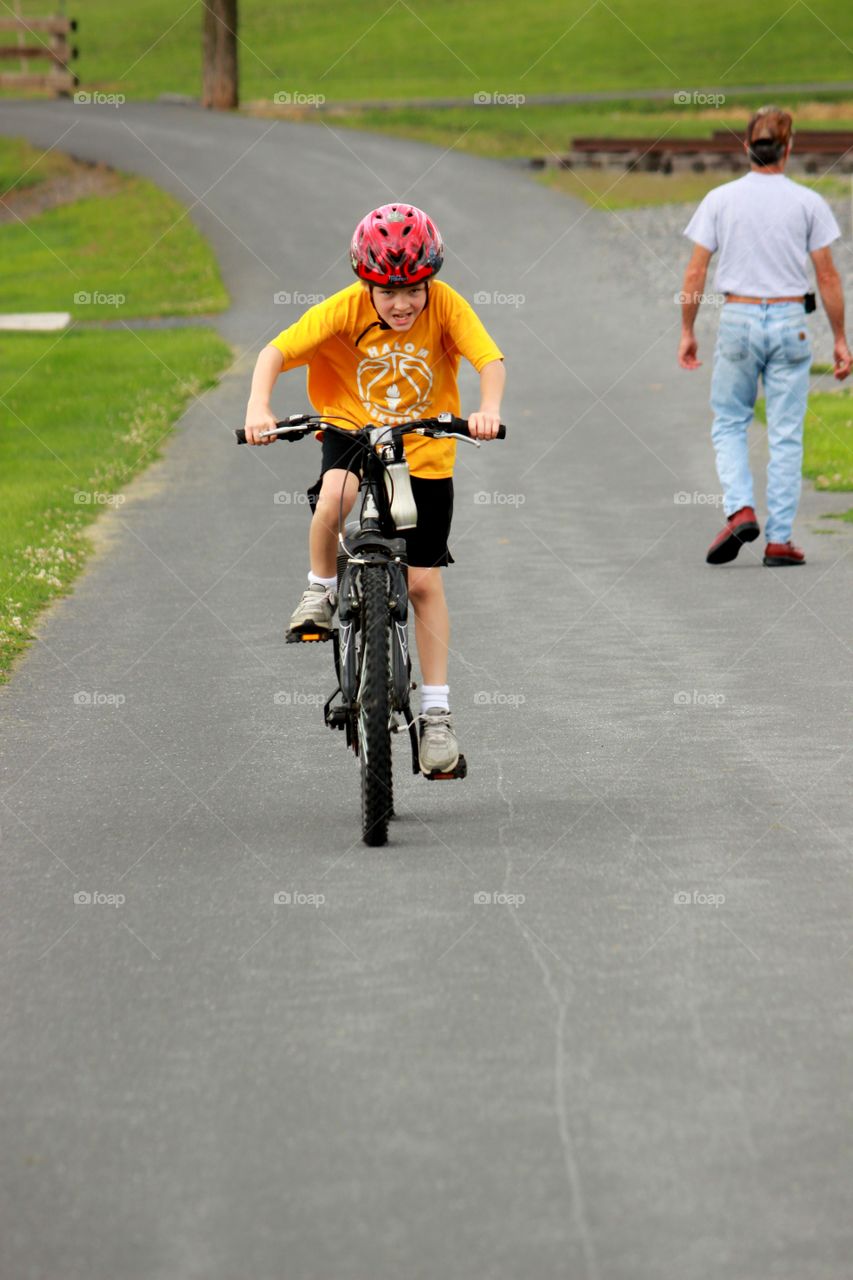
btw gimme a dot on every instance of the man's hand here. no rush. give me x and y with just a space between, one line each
484 424
259 418
841 352
687 349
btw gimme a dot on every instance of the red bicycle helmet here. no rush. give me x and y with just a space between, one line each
396 244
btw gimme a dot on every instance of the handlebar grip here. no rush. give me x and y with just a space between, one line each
460 426
240 433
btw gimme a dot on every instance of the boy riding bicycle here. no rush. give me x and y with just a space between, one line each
387 350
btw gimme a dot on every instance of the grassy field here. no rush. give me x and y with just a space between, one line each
23 167
83 411
132 253
441 47
828 438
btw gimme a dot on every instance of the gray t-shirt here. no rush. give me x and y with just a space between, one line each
764 226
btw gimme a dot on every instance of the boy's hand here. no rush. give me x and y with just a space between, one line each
259 418
484 425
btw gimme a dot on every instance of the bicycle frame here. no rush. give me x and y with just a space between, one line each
374 542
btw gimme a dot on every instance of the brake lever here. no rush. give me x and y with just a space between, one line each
453 435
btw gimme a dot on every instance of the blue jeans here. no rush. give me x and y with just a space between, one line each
770 339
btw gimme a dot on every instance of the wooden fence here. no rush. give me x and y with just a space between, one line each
56 51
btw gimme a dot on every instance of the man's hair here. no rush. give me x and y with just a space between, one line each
768 134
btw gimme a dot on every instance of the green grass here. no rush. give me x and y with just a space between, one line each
614 189
82 415
828 444
85 411
442 47
137 247
23 167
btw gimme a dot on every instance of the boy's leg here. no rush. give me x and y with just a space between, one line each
439 749
432 623
323 535
317 605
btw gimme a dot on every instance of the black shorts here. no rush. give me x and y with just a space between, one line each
426 544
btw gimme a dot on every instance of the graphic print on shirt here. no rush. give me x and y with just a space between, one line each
394 384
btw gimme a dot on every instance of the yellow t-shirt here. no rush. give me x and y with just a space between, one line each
389 377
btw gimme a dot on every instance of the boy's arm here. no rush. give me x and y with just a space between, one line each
259 416
484 424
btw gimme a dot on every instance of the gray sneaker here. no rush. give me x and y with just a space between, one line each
439 750
314 611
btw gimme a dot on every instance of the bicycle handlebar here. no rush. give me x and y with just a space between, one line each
298 425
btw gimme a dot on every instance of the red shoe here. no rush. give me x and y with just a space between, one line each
779 553
741 526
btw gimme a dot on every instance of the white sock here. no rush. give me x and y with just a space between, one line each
323 582
435 695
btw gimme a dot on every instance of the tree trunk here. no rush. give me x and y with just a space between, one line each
219 54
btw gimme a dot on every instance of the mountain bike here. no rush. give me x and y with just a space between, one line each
371 702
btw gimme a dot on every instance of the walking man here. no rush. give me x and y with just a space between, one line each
763 225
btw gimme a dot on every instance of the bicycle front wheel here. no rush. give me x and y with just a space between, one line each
374 707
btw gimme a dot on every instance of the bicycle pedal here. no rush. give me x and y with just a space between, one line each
306 637
460 771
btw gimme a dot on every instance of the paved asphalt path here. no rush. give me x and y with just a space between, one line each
598 1081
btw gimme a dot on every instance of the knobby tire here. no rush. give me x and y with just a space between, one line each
375 707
